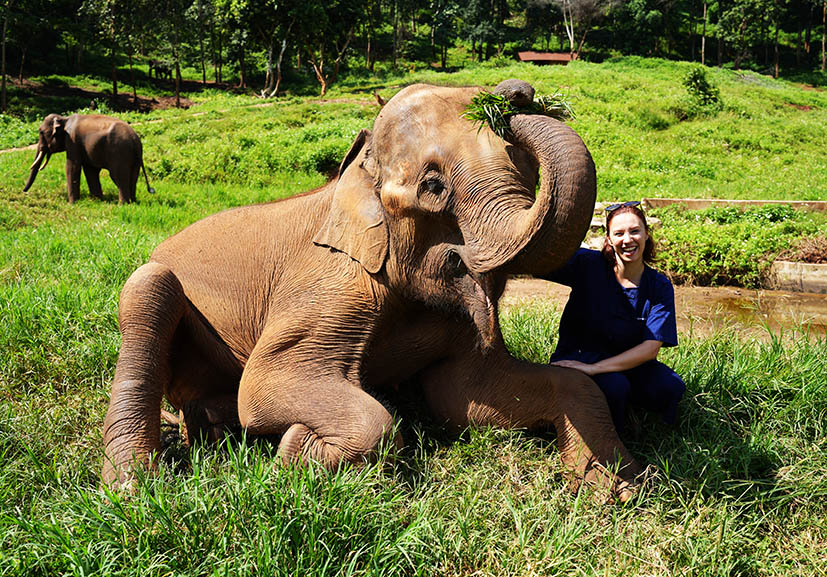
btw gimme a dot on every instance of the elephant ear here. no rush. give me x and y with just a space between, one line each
356 222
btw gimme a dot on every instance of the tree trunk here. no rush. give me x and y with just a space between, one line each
776 51
318 68
242 68
703 35
269 77
132 78
395 32
798 44
220 56
3 58
339 57
23 50
823 34
114 74
278 67
201 42
368 29
582 40
808 29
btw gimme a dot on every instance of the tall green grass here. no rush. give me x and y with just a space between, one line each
740 488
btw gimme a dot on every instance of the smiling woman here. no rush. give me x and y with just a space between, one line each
620 313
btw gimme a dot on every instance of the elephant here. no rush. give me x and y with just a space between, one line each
291 318
91 142
162 70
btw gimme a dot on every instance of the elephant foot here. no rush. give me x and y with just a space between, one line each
121 476
615 484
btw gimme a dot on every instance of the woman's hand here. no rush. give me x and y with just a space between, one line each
582 367
636 356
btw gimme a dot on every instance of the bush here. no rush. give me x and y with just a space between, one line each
726 245
700 90
702 98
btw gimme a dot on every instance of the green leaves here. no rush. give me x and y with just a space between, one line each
491 109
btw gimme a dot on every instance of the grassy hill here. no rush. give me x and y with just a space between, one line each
741 483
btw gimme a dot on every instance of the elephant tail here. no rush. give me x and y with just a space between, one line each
146 178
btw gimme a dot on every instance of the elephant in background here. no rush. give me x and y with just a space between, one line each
287 318
91 142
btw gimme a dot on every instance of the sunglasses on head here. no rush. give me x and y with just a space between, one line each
613 207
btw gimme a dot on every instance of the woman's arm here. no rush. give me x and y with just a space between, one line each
636 356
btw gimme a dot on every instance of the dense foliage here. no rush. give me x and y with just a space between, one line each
729 246
268 45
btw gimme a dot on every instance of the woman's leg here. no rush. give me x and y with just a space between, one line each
656 387
615 387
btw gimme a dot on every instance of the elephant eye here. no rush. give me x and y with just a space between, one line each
433 185
455 263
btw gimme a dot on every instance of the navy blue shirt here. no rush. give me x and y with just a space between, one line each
603 319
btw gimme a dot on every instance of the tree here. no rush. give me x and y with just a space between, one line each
326 29
443 26
483 24
740 25
542 18
580 14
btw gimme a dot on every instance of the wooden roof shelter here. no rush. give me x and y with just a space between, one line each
546 57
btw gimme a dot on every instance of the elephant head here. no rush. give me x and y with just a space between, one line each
52 138
450 209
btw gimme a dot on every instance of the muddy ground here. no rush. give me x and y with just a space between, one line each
702 311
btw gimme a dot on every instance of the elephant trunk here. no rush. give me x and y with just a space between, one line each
536 233
36 167
559 219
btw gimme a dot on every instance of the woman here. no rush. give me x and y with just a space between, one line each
619 314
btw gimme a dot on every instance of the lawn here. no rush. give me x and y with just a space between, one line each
740 487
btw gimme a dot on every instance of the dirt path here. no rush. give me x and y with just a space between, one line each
704 310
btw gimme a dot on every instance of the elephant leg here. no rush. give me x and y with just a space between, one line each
501 391
321 417
93 180
123 180
73 180
151 306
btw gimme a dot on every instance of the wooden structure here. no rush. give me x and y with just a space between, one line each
546 57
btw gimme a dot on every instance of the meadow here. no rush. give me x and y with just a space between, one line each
740 485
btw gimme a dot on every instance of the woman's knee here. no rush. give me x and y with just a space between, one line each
613 385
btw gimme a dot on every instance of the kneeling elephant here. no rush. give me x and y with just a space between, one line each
283 317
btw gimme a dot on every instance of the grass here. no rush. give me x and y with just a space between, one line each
741 481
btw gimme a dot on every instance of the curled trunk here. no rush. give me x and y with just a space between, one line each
538 233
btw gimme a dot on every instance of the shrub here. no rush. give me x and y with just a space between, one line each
700 90
728 246
702 98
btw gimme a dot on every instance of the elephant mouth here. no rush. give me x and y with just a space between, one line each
484 307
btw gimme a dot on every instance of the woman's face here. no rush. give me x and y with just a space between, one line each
627 235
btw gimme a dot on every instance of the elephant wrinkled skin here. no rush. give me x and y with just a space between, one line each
92 142
283 317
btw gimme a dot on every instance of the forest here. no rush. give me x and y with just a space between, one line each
268 46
